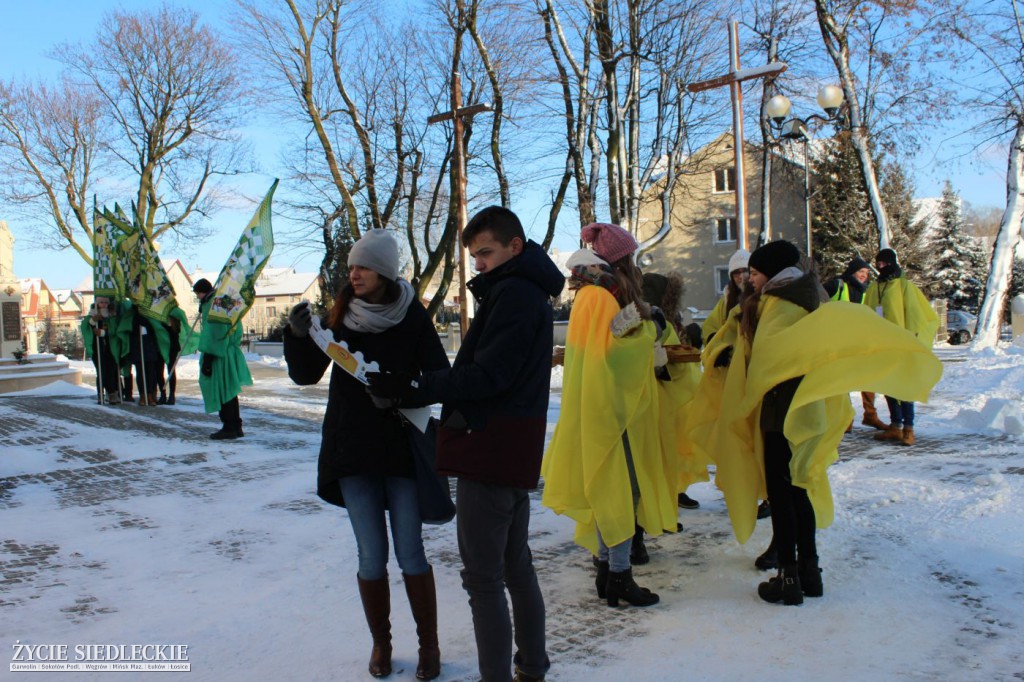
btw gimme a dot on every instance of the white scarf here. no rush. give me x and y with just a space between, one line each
363 316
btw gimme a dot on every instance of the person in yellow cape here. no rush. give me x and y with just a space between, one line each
716 319
785 405
895 298
605 466
677 385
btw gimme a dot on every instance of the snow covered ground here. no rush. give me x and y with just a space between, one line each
127 526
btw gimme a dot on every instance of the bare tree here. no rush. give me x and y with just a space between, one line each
993 80
783 32
364 93
151 103
49 143
879 80
621 68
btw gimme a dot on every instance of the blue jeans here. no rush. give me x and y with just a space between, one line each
493 529
617 556
900 413
366 498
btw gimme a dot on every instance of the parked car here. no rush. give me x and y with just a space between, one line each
960 326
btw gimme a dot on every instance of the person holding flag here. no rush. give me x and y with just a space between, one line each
103 345
223 371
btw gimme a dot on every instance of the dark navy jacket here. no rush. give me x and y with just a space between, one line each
495 397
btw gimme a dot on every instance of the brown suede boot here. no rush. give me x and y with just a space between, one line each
423 600
376 596
870 413
894 433
908 435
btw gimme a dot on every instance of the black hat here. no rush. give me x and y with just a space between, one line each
202 286
887 256
856 264
774 257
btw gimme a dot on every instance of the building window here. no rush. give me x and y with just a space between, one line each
721 278
268 299
725 230
725 180
271 312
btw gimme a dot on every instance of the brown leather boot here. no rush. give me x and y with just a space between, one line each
152 399
908 435
423 600
870 413
894 433
376 596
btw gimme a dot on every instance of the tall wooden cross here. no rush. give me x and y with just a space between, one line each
456 115
733 80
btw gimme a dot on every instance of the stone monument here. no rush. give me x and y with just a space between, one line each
10 296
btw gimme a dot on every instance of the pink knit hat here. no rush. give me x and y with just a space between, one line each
610 242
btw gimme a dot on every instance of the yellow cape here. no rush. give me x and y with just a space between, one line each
715 319
608 388
839 348
675 402
904 305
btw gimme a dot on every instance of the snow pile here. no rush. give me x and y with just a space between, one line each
988 387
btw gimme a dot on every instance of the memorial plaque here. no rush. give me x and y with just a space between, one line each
12 321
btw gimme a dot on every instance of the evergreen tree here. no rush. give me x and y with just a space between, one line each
842 225
959 271
907 233
1016 284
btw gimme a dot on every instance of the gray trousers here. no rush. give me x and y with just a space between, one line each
493 529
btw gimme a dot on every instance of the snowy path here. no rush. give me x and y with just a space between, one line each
127 525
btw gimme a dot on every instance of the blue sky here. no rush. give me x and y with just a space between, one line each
980 178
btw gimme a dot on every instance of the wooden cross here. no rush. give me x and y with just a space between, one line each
733 80
457 113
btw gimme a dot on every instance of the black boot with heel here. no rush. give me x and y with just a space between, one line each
622 586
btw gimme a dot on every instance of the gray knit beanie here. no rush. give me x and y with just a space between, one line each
378 251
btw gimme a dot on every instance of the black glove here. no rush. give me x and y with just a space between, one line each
396 386
660 323
300 319
724 358
207 368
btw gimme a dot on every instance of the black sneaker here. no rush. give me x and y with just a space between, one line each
764 510
687 502
226 434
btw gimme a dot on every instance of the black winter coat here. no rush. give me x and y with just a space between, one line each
495 397
358 438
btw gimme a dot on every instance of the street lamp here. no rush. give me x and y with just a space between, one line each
830 99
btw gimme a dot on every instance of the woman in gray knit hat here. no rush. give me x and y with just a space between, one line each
366 464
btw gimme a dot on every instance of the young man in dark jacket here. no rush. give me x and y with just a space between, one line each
493 421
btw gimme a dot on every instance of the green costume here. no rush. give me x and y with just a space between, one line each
230 371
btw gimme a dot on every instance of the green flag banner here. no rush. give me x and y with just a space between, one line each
146 283
235 288
107 275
